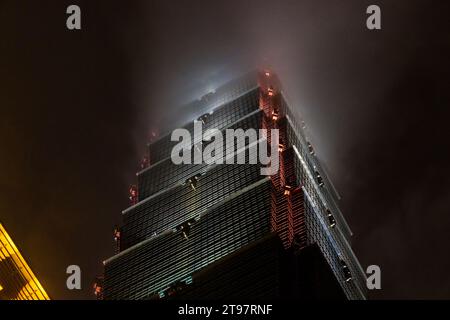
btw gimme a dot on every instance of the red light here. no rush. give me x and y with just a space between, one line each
145 162
133 195
274 115
287 190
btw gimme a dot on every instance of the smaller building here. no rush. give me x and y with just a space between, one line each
17 281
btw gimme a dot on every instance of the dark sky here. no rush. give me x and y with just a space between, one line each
77 108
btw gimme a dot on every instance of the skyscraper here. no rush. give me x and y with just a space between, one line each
17 281
211 231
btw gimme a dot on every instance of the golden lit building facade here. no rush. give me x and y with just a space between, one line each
17 281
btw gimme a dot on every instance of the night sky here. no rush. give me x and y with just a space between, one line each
77 108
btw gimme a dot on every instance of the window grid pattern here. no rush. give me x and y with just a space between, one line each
317 234
219 119
298 131
175 205
226 218
224 94
156 264
307 185
165 174
231 279
294 139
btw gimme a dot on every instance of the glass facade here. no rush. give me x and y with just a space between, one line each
182 202
194 218
165 173
152 266
217 118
